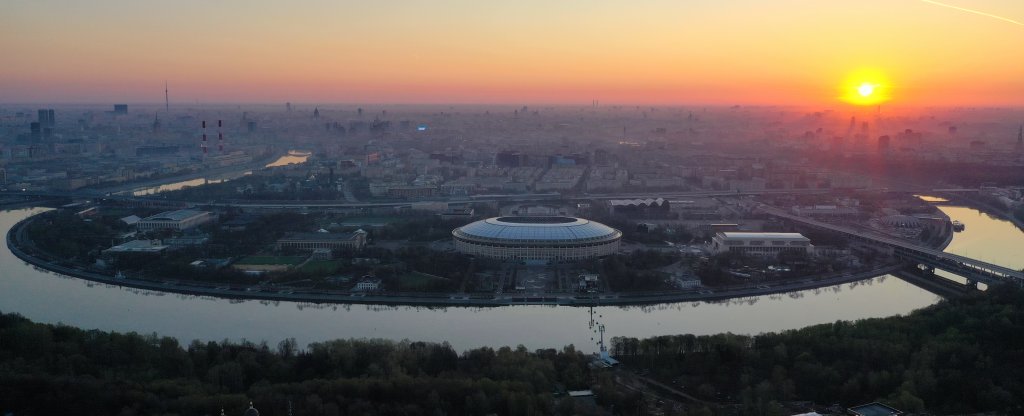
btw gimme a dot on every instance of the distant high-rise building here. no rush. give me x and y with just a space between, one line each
883 143
1020 135
46 118
316 112
120 108
36 130
509 159
288 106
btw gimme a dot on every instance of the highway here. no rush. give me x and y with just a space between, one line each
92 194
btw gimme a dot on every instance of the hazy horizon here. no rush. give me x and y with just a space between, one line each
917 53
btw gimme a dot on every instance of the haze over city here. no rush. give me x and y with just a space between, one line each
651 52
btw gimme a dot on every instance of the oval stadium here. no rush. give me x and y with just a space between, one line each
550 239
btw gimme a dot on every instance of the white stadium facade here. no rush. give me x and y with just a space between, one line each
549 239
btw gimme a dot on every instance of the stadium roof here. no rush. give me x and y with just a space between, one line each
538 229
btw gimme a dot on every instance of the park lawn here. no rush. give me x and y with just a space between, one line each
322 266
292 260
416 281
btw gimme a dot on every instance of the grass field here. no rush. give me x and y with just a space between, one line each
417 281
322 266
271 260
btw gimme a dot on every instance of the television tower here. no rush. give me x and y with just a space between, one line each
167 98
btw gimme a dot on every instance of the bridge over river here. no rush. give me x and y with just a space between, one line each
971 269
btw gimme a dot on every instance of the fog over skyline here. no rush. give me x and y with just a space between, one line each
653 52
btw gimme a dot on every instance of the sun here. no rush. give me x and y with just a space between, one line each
865 87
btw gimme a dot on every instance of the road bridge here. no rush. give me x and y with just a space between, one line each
971 269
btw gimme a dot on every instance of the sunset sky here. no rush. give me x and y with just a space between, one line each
651 52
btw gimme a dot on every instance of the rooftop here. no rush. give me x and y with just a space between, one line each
138 246
764 236
537 228
179 215
874 409
321 236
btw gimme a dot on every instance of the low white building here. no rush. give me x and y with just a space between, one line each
175 220
322 239
137 246
367 284
760 244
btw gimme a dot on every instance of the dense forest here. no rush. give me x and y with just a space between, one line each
960 356
46 370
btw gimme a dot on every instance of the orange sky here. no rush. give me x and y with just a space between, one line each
651 52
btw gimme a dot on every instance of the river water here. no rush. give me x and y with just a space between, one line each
288 159
47 297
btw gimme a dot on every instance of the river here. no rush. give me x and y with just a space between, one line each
47 297
986 238
287 159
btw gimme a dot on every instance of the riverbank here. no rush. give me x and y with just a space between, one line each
21 249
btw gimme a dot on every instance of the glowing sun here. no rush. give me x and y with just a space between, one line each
865 87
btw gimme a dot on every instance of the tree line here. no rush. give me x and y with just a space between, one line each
960 356
54 369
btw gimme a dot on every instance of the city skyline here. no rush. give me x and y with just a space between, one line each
742 52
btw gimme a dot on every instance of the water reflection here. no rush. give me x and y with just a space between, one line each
293 157
927 198
986 237
186 184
